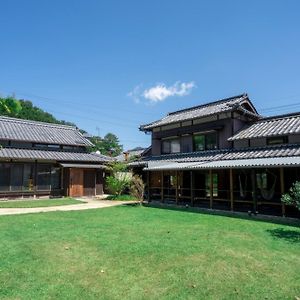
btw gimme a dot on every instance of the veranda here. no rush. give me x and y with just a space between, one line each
256 190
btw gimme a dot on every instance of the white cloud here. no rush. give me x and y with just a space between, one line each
161 92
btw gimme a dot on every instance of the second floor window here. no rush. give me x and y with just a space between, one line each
171 146
205 141
277 140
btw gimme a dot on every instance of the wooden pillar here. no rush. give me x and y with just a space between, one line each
282 189
162 186
192 186
62 188
35 172
210 188
231 188
254 196
148 186
176 191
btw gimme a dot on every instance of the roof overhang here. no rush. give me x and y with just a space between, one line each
82 166
269 162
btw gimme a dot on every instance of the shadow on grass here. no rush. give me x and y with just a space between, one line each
229 214
292 236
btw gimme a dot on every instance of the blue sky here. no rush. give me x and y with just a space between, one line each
110 66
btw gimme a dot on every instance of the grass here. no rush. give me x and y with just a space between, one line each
38 203
134 252
121 198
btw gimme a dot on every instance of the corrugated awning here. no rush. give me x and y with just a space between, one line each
293 161
83 166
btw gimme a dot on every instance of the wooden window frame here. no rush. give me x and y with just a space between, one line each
205 134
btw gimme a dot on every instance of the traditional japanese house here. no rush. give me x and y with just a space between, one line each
41 159
223 155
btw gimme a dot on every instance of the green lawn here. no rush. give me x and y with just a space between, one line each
38 203
146 253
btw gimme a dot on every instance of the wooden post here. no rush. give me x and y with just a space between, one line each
162 186
35 172
176 191
231 188
282 189
192 187
62 188
210 188
253 181
148 186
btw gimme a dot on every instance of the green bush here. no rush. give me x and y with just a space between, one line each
117 184
137 188
293 196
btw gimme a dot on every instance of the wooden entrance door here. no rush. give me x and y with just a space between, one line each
76 183
89 183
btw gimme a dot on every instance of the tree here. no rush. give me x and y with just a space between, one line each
24 109
10 107
109 145
293 196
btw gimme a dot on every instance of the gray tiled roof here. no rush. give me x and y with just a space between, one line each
226 154
39 132
24 154
293 161
268 127
225 105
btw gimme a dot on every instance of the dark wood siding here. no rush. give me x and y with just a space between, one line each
66 181
99 182
89 183
224 128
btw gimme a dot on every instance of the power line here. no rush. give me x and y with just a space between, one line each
80 103
281 107
90 119
100 109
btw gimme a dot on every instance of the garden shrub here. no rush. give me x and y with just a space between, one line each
137 188
293 196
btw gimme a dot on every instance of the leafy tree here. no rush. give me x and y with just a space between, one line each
24 109
10 107
117 167
293 196
109 145
31 112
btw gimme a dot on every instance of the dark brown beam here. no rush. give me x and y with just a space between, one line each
254 196
210 189
148 186
231 188
192 187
